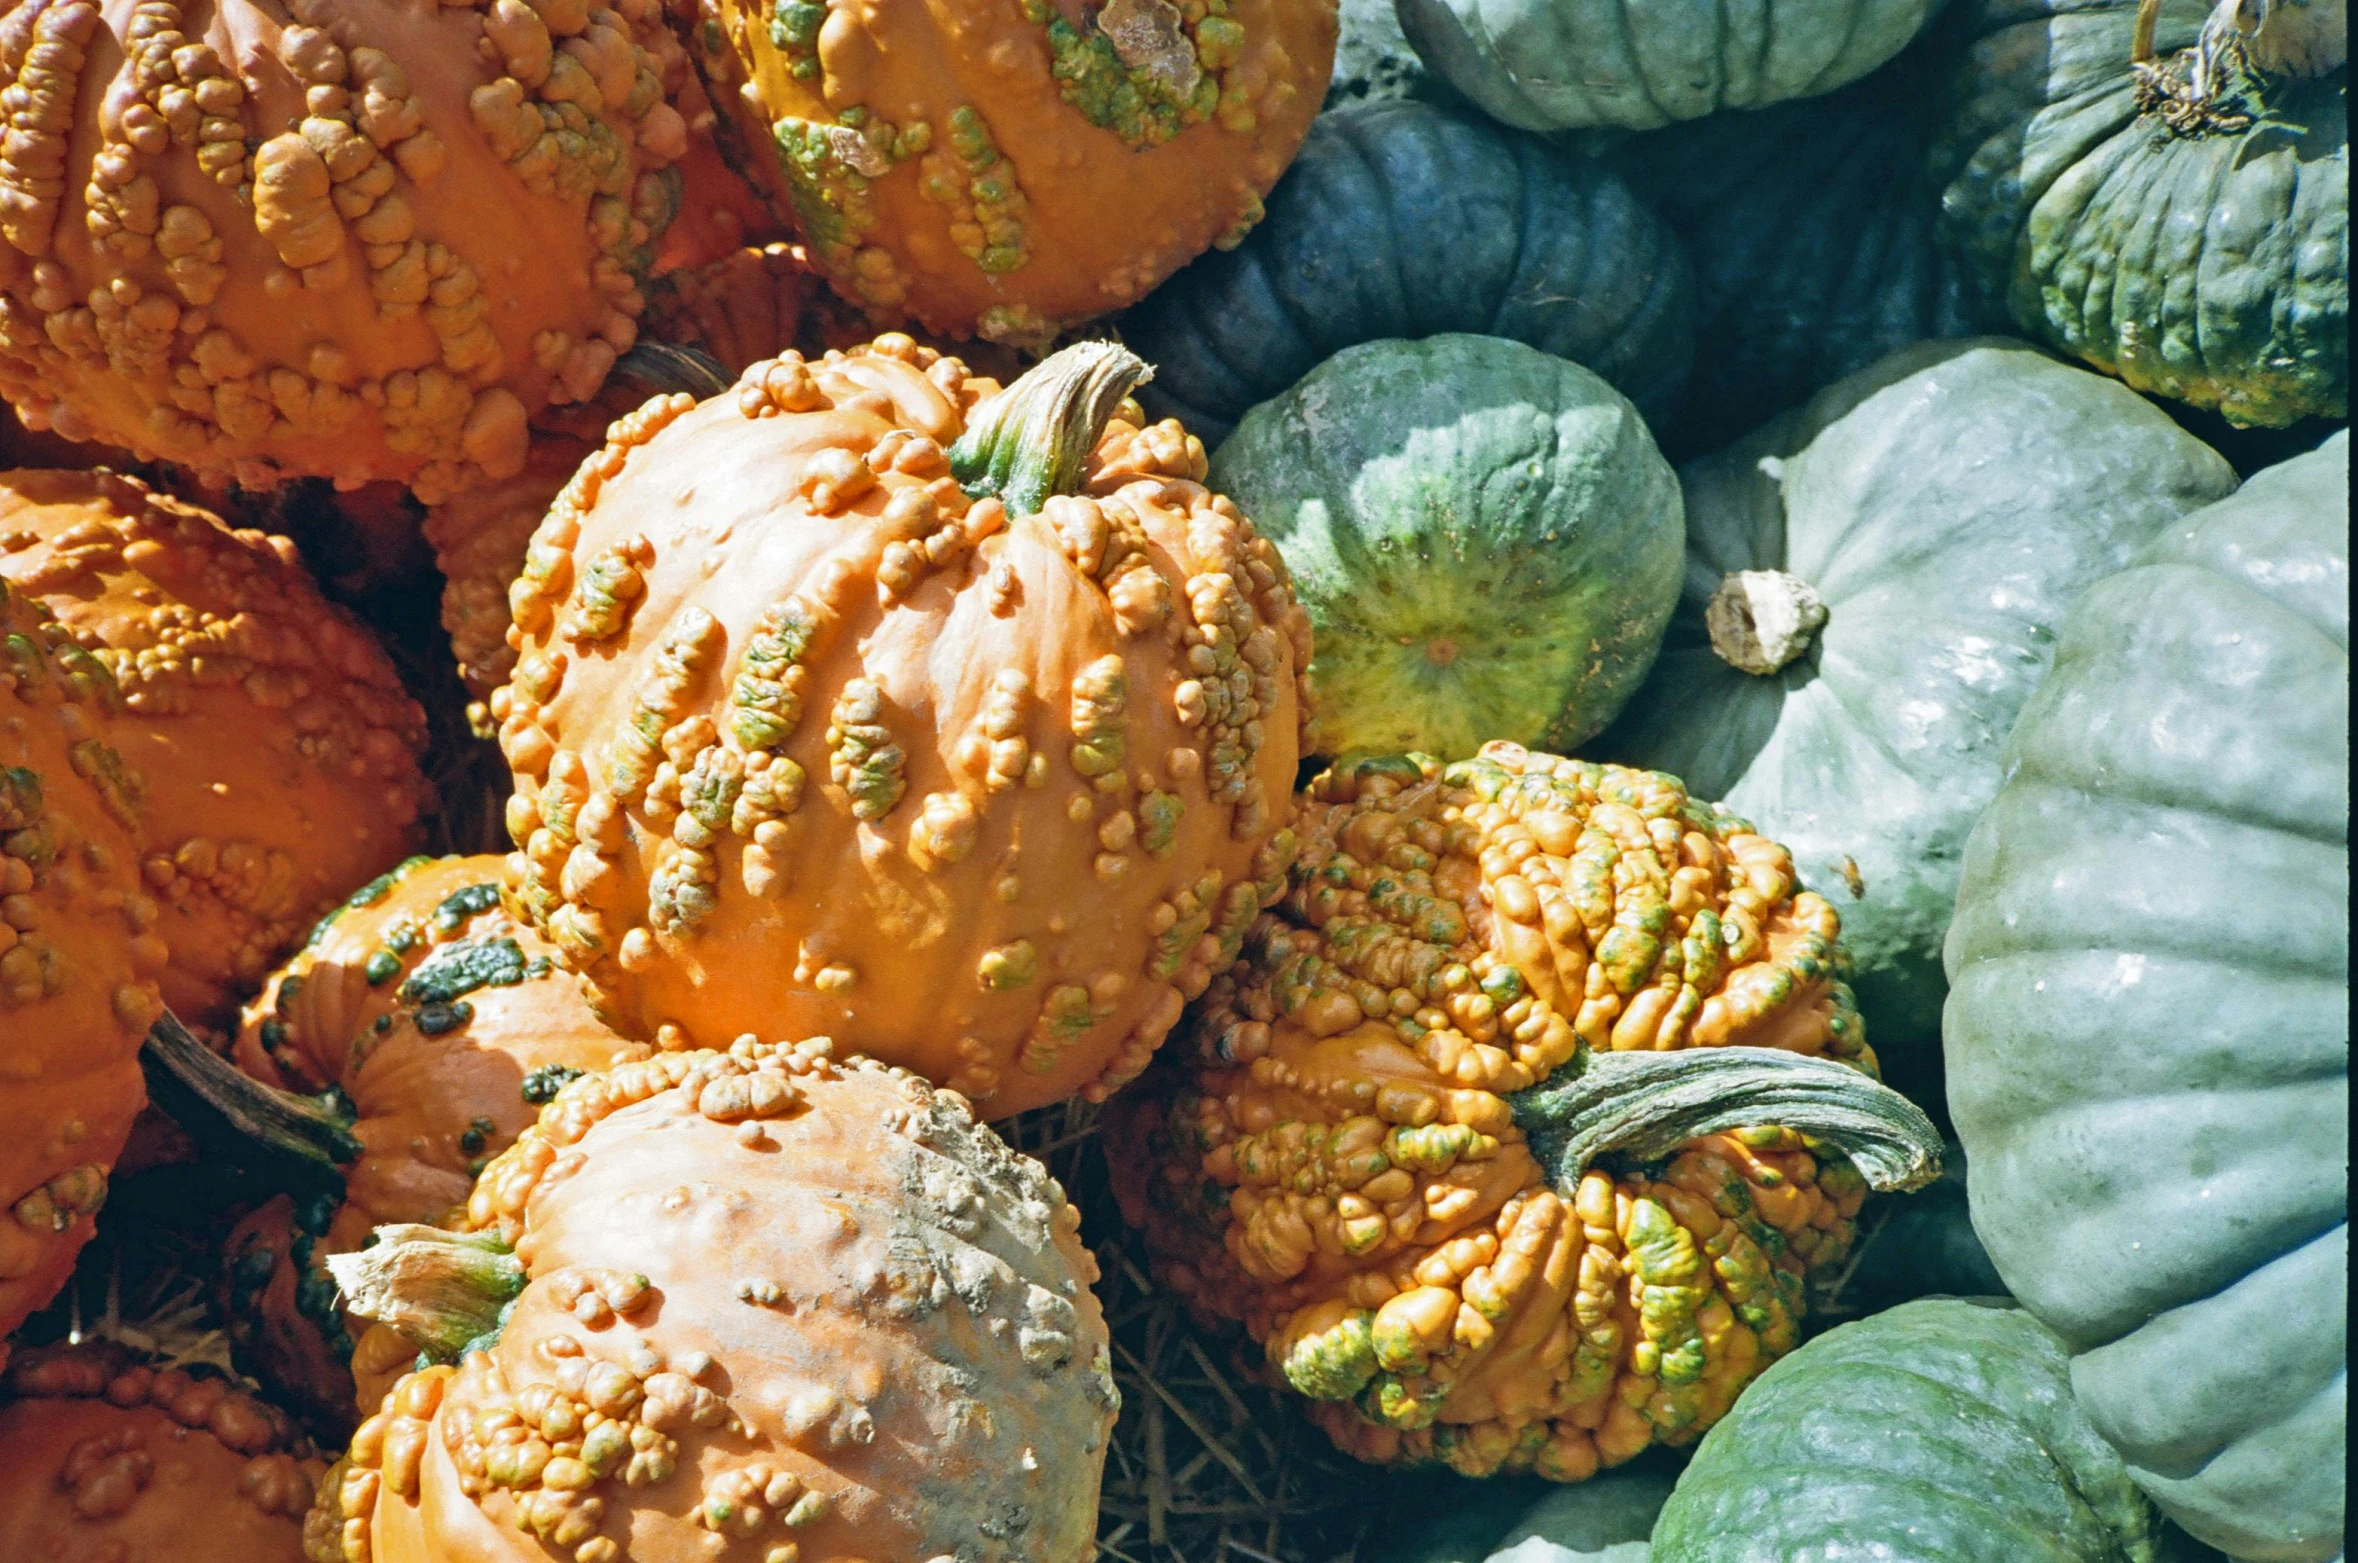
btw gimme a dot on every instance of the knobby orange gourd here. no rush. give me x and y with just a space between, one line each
743 1307
807 733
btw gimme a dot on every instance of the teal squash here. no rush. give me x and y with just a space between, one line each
2198 252
1570 64
1942 1431
1922 529
1484 536
2149 1030
1506 1519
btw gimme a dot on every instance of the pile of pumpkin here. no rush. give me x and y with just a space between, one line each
1518 917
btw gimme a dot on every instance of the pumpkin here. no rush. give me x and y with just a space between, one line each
105 1456
2183 224
803 732
1943 1431
280 753
1873 585
2148 1033
1484 536
1569 64
1543 250
1373 1148
1506 1520
752 1305
79 952
1013 169
445 1023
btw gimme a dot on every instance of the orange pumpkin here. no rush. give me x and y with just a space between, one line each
279 750
79 951
368 239
445 1023
738 1307
1010 168
804 734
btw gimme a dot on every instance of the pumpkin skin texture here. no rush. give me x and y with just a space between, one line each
280 752
1942 1431
1543 250
1484 536
102 1456
80 956
1946 507
366 243
1014 168
934 720
2204 1298
883 1304
1571 64
1331 1156
2212 268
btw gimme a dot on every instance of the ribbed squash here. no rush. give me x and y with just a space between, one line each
1009 168
806 731
2149 1032
279 751
362 240
1364 1148
742 1307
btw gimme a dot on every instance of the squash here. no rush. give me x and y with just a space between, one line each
79 954
1512 1520
1570 64
1943 1431
806 732
280 752
1373 59
2148 1033
2193 240
744 1305
1015 168
1873 584
1378 1146
364 241
1484 536
1544 251
103 1456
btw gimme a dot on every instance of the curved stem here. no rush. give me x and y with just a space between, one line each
666 366
444 1290
1032 439
227 1111
1759 620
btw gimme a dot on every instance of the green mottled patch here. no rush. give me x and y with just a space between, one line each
1337 1362
459 968
1008 967
542 1085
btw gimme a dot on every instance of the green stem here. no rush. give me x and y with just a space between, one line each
1032 439
446 1291
1646 1105
230 1113
666 366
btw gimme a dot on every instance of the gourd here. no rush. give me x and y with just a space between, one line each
1014 171
2161 196
1940 1430
2148 1032
79 954
1379 1144
104 1456
1542 249
362 241
444 1023
1873 585
744 1305
1570 64
1484 536
279 751
985 780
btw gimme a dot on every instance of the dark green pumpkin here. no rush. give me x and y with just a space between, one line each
2148 1036
2212 267
1947 507
1484 535
1403 220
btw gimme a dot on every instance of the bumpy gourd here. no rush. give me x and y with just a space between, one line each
105 1457
278 748
1013 168
1352 1153
445 1023
804 734
760 1307
79 951
358 241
